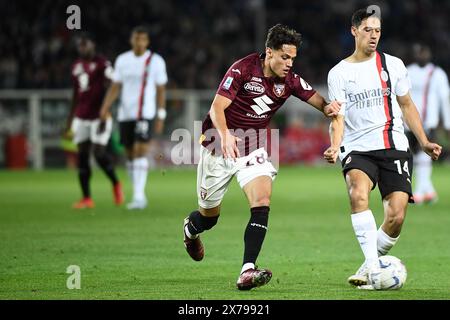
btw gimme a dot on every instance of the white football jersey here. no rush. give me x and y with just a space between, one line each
129 71
430 93
368 90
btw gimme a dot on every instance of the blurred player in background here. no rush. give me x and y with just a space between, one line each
369 138
91 74
251 91
430 90
140 77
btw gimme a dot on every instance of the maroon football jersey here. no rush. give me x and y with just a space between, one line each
89 82
255 99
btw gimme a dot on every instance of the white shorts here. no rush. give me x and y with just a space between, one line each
214 174
84 130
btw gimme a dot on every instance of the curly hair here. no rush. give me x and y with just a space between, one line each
280 34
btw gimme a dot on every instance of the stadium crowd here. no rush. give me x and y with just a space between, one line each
200 38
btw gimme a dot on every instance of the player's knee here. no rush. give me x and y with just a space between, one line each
212 212
129 154
396 216
83 161
99 154
140 150
263 201
358 197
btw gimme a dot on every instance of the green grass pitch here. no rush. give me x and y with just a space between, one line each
310 247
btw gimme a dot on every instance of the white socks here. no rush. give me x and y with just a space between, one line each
139 178
423 169
384 242
247 266
366 232
129 166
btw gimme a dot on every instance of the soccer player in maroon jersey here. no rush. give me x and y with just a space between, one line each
90 74
252 90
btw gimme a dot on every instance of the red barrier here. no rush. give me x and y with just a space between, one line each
16 151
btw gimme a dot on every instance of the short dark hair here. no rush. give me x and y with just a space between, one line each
141 29
362 14
280 34
84 35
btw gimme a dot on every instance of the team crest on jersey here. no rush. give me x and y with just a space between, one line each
349 159
278 89
203 193
92 66
254 87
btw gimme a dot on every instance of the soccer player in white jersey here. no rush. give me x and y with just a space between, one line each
430 91
140 77
368 137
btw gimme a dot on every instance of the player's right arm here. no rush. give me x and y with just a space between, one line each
228 142
71 112
73 104
111 96
336 136
226 93
113 90
336 92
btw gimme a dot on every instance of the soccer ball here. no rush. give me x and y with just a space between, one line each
393 273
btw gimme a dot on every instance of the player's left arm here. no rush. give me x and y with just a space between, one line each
67 129
413 121
160 82
329 109
443 91
108 72
73 104
161 108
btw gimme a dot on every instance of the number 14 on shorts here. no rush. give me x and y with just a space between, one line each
399 167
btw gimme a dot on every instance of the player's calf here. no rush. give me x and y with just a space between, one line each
84 173
254 234
193 225
105 162
199 223
395 213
